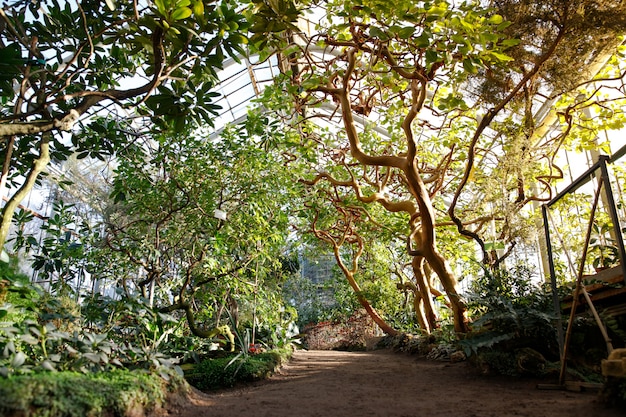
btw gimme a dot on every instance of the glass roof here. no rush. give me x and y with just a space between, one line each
239 84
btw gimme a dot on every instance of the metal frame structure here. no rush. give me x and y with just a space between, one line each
602 166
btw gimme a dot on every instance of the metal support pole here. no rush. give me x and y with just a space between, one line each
553 285
613 213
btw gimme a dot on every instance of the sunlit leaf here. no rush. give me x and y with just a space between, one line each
181 13
18 360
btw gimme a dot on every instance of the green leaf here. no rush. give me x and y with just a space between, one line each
160 5
406 33
500 56
496 19
92 357
48 366
29 339
422 41
18 360
198 9
181 13
431 56
494 246
378 33
510 42
469 67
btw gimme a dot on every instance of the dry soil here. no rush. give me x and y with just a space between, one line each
384 383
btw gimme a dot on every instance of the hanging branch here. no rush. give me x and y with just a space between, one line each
484 123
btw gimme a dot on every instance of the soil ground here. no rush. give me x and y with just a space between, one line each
384 383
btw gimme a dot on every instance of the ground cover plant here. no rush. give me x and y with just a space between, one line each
230 370
50 365
115 393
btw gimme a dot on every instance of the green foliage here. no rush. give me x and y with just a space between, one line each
12 283
161 224
44 335
65 65
511 312
164 224
72 394
269 19
227 371
32 347
187 40
524 361
317 302
603 249
128 320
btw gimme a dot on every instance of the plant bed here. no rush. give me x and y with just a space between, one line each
118 393
228 371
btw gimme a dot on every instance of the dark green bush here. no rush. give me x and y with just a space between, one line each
515 326
225 372
512 312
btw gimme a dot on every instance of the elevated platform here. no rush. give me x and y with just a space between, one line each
607 291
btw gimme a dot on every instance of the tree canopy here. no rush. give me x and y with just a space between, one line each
410 123
113 68
429 109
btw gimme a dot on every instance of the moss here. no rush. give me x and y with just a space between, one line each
71 394
216 373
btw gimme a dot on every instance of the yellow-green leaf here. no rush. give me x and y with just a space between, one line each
500 57
468 66
496 19
198 9
160 5
181 13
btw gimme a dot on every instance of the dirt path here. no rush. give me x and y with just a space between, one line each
383 383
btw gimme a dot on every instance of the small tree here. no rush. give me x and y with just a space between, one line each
201 225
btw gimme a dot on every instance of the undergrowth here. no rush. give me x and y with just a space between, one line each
71 394
226 372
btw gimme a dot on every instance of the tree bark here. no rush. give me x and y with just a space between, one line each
384 326
38 166
423 287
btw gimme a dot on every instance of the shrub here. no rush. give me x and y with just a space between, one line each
225 372
72 394
514 314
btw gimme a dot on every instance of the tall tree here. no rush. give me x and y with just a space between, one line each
386 94
201 225
62 63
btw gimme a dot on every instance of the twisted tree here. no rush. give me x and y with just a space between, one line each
428 109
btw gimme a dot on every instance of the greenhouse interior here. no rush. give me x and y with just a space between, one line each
340 208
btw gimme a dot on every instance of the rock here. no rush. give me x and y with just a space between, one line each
615 365
458 356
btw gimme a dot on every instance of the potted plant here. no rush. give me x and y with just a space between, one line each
603 250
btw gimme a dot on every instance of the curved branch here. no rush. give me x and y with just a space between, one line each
66 121
351 132
484 123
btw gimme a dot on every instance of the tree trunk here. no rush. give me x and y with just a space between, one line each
443 271
384 326
428 247
12 204
423 286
